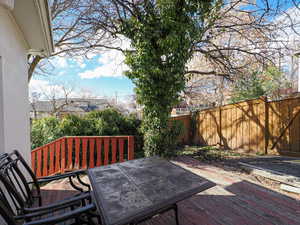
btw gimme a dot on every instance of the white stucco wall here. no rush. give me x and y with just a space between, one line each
14 105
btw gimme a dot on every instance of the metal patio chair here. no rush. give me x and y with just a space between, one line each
71 211
20 174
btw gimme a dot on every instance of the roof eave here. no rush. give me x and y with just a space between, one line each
45 17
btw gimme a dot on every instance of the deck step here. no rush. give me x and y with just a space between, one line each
290 188
286 181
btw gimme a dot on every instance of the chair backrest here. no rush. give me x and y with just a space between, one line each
11 202
17 172
18 157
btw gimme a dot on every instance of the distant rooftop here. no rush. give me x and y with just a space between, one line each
73 105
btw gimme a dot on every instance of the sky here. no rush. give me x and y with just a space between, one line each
97 75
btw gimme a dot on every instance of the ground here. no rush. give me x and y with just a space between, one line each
237 199
231 161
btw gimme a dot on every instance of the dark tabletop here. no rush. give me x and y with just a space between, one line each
127 191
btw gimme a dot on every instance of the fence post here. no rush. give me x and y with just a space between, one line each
266 133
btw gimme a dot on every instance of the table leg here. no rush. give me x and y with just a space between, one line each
176 214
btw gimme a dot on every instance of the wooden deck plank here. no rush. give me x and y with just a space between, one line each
233 201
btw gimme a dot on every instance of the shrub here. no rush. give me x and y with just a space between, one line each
72 125
96 123
105 122
44 131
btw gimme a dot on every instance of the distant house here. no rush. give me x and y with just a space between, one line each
61 107
24 30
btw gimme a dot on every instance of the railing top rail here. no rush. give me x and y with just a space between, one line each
119 136
46 145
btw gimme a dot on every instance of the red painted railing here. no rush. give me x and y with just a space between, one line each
80 152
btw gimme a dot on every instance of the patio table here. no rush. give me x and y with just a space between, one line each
135 190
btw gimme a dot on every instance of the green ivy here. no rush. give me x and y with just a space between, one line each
162 37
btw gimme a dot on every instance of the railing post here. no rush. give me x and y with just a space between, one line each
130 147
33 161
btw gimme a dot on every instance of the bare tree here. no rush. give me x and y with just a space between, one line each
246 32
245 29
246 37
72 35
56 95
206 91
33 99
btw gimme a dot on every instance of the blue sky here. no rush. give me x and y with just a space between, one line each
98 74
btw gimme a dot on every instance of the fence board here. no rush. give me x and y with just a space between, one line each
121 150
51 161
63 155
77 153
57 156
254 125
45 159
84 153
70 153
92 152
99 153
106 151
39 165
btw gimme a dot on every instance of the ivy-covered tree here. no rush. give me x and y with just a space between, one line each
162 35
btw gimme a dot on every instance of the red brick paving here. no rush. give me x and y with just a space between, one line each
234 201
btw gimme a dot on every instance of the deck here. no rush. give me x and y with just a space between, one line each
234 201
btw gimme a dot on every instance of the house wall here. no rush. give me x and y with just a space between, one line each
14 105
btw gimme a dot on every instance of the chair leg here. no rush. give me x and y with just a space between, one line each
176 214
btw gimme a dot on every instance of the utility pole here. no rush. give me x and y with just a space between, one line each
116 97
297 54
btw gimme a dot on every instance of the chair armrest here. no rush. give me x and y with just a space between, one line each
59 205
61 176
62 217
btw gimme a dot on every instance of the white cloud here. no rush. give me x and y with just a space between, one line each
61 62
112 63
45 90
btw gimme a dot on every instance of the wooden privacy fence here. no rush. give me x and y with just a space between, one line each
257 126
79 152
